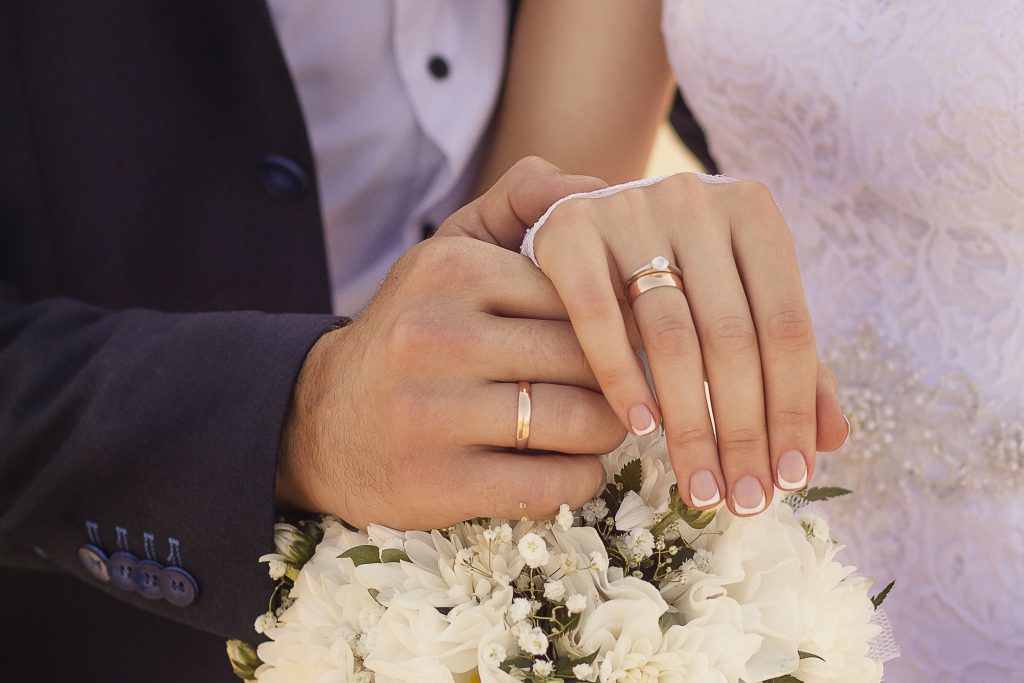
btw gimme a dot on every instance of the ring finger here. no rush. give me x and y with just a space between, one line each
663 318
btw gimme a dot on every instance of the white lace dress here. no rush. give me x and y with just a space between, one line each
892 133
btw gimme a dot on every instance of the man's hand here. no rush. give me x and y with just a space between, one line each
407 416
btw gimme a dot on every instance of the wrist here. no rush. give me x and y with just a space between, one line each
295 480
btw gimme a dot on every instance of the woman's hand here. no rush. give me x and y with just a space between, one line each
741 321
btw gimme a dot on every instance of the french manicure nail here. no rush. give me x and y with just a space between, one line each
748 496
849 430
704 489
792 471
641 420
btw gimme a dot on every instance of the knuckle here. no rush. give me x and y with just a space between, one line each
689 438
730 335
616 377
673 335
789 328
589 305
570 415
452 258
744 443
418 332
533 165
794 416
754 191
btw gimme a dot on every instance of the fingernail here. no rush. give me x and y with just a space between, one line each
704 489
748 496
792 471
849 430
641 420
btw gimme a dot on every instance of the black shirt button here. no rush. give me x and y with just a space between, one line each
438 67
283 178
428 230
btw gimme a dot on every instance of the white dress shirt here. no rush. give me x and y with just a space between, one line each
397 95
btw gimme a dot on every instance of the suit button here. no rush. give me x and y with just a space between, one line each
178 587
282 177
147 579
122 570
95 562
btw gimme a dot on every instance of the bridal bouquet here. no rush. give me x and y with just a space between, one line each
634 587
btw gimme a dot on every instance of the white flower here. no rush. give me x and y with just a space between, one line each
576 603
493 654
542 667
594 510
534 550
554 590
519 610
534 641
490 535
504 533
265 622
564 517
583 672
639 543
277 568
633 513
816 528
599 561
464 557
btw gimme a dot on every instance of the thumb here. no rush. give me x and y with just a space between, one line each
833 427
514 203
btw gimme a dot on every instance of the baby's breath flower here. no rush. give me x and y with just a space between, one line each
598 561
277 568
554 590
543 667
533 641
576 603
501 579
594 510
639 543
464 557
564 517
494 654
534 550
265 622
490 535
504 533
519 610
702 560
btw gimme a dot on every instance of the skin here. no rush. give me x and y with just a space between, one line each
583 71
419 393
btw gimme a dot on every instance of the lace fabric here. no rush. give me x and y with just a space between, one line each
892 134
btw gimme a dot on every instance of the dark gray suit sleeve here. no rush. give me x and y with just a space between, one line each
156 433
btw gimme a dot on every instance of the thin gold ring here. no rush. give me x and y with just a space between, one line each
523 416
658 273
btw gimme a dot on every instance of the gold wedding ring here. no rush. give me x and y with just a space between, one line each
523 416
658 273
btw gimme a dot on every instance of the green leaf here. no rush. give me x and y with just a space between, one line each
785 679
809 655
816 493
564 665
393 555
669 619
698 519
631 476
243 658
880 598
362 554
